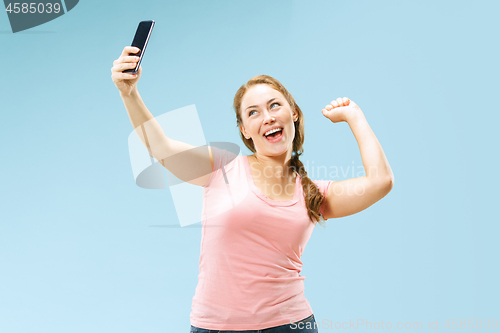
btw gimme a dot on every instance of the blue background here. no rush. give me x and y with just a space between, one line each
78 250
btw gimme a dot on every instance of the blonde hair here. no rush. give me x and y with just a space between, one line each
312 195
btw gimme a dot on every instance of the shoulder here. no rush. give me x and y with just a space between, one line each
323 185
224 157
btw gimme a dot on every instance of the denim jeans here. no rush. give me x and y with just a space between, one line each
306 325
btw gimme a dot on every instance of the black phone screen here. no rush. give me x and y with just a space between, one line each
140 41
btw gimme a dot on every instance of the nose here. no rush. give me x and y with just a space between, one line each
268 118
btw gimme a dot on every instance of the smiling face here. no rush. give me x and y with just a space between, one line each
263 108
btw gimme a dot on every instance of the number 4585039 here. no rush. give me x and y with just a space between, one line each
33 8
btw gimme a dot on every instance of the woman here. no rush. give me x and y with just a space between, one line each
249 268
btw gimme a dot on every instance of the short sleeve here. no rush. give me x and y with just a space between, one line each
323 186
220 157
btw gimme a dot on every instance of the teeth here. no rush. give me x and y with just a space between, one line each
272 131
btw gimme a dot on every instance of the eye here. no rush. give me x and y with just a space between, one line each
250 113
273 104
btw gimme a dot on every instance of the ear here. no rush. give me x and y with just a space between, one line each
295 116
245 134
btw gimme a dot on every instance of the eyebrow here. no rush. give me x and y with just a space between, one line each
254 106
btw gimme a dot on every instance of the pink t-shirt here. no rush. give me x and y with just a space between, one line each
250 251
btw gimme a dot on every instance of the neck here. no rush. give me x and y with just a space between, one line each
278 166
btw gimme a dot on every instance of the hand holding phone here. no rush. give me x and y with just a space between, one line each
126 70
126 82
140 41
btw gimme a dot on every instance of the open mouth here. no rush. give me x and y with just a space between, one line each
275 136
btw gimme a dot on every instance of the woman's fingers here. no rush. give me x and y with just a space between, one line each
125 62
339 102
117 71
127 59
125 76
328 107
131 59
129 49
120 67
125 65
125 82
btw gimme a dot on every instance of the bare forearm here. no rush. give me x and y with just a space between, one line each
374 161
136 109
145 125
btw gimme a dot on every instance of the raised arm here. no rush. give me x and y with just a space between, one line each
353 195
188 163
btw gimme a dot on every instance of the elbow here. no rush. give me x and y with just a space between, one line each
389 184
384 183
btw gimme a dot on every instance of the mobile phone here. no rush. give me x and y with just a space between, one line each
140 41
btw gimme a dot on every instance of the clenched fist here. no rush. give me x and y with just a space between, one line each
341 109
